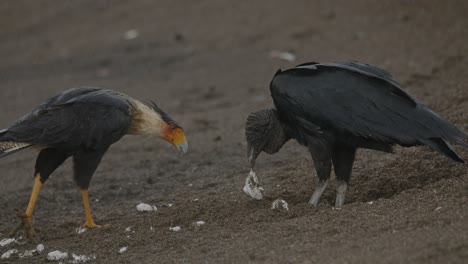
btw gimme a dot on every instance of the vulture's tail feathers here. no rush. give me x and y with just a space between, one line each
462 140
441 146
10 147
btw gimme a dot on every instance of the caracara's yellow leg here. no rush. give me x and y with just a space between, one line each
26 216
89 218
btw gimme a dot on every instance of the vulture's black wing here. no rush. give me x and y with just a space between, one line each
361 100
78 118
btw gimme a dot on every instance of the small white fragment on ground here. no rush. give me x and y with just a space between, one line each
190 184
27 253
151 228
128 229
82 258
252 188
81 230
170 205
123 250
438 208
175 228
371 202
283 55
131 34
142 207
57 255
196 200
199 223
40 248
34 252
279 204
9 253
7 241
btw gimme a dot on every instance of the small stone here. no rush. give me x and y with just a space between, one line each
131 34
175 228
200 223
9 253
81 230
279 204
7 241
123 250
142 207
57 255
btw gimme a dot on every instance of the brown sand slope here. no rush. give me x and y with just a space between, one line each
207 63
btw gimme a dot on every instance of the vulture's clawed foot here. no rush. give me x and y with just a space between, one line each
24 225
341 188
321 186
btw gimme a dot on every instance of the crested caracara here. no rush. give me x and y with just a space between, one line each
82 123
335 108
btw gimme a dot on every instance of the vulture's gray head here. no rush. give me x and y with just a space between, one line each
264 132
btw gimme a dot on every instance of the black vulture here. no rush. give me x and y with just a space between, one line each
82 123
335 108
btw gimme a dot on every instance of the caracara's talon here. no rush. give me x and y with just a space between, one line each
24 225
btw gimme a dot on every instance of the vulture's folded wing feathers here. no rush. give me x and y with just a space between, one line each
359 99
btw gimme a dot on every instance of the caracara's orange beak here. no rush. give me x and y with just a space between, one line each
176 137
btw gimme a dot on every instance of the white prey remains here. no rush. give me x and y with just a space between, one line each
252 188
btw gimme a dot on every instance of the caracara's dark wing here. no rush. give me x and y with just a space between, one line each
78 118
359 99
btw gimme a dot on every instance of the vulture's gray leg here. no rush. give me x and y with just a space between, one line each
343 159
322 163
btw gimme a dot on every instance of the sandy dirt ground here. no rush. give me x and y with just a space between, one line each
208 64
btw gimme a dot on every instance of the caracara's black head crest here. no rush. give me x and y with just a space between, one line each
165 117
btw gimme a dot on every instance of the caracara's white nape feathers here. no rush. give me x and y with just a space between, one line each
145 121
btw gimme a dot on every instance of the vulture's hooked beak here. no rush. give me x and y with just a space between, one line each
252 155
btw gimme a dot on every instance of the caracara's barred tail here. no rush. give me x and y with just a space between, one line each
10 147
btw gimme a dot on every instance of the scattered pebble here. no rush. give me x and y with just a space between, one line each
57 255
438 208
190 184
371 202
40 248
7 241
196 200
252 188
279 204
82 258
142 207
131 34
283 55
30 253
200 223
128 229
81 230
170 205
123 250
175 228
9 253
27 253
